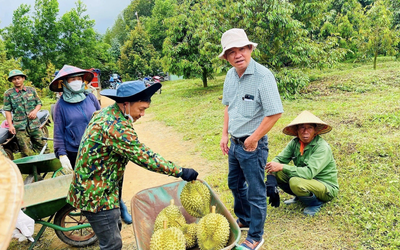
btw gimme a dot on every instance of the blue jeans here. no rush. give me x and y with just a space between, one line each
246 180
107 226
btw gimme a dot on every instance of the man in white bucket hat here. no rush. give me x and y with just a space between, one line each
313 178
252 107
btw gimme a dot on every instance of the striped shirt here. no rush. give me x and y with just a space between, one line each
250 98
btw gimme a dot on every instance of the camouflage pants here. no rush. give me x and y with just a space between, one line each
29 139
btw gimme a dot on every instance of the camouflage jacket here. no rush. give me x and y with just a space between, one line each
21 103
107 145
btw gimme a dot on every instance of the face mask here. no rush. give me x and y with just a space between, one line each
75 85
128 115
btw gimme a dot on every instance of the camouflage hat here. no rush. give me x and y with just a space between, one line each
15 72
307 117
69 71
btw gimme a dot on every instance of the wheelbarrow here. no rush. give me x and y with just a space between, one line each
47 199
147 203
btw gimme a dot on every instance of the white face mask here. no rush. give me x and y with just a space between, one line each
75 85
129 114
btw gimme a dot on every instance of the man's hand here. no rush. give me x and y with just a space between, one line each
273 167
250 144
189 174
66 164
11 128
224 144
32 114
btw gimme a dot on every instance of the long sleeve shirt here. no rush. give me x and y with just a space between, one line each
70 121
317 163
108 143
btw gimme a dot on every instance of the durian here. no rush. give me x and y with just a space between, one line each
213 231
195 198
172 215
190 233
168 238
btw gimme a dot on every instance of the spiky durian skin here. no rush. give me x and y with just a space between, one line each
170 238
172 215
213 232
190 233
195 198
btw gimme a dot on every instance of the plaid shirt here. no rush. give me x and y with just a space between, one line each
107 145
250 98
21 103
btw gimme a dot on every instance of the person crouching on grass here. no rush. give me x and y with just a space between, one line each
313 178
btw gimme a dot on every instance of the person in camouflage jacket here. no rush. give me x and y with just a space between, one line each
21 105
108 144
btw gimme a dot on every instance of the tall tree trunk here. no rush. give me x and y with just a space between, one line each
204 77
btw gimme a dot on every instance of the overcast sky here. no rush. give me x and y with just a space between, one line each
104 12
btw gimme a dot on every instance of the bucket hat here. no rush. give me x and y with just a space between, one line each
234 38
15 72
67 70
307 117
131 91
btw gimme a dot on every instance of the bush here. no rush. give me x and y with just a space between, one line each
291 82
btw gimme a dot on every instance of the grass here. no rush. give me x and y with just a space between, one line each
362 105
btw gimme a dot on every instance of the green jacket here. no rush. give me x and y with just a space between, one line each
316 163
21 103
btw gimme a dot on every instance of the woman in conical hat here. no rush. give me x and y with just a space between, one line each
72 112
313 177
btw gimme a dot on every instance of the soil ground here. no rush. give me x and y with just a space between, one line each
169 144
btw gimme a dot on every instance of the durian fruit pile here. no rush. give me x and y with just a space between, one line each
211 233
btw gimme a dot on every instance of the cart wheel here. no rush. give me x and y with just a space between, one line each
9 154
69 216
45 131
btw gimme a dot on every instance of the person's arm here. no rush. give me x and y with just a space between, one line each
225 137
283 158
33 113
267 123
59 133
10 123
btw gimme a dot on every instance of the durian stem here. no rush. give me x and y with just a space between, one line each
213 209
165 224
172 202
193 182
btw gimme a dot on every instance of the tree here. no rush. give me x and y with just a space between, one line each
191 46
6 65
377 36
138 56
77 38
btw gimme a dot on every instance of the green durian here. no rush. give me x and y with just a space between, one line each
195 198
190 233
213 231
168 238
172 215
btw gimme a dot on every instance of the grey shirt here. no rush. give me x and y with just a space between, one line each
250 98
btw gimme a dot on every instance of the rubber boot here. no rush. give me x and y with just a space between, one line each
312 203
126 217
291 201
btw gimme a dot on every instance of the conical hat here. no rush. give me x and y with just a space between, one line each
307 117
56 84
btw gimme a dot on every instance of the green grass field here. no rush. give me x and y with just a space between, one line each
363 107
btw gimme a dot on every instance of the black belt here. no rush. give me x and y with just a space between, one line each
240 140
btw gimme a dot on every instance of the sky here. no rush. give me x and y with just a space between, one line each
104 12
